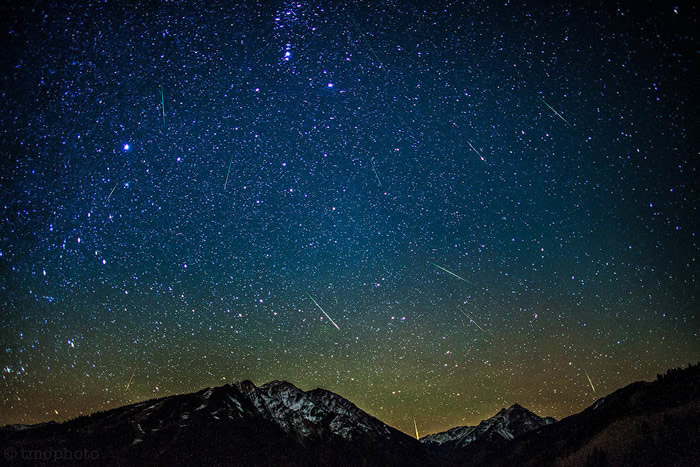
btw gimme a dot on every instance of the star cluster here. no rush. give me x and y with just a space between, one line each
489 200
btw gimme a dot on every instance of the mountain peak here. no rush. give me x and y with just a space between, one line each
514 410
278 384
307 416
505 425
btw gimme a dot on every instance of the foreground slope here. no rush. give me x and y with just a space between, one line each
644 423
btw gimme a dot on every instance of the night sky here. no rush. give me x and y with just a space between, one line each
488 201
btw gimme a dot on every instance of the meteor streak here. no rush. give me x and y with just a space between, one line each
449 272
381 65
477 152
319 307
132 377
472 320
110 193
162 103
416 427
589 380
375 173
557 113
227 173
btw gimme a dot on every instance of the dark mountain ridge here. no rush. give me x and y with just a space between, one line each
645 423
237 424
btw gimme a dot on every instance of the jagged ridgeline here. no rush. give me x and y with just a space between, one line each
645 423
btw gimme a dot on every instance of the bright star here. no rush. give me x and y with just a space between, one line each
126 146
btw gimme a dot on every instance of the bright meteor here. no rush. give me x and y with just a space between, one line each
448 272
322 310
416 427
477 152
589 380
557 113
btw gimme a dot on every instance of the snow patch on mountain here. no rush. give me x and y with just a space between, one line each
505 425
317 414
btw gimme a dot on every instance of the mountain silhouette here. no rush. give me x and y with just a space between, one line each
645 423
